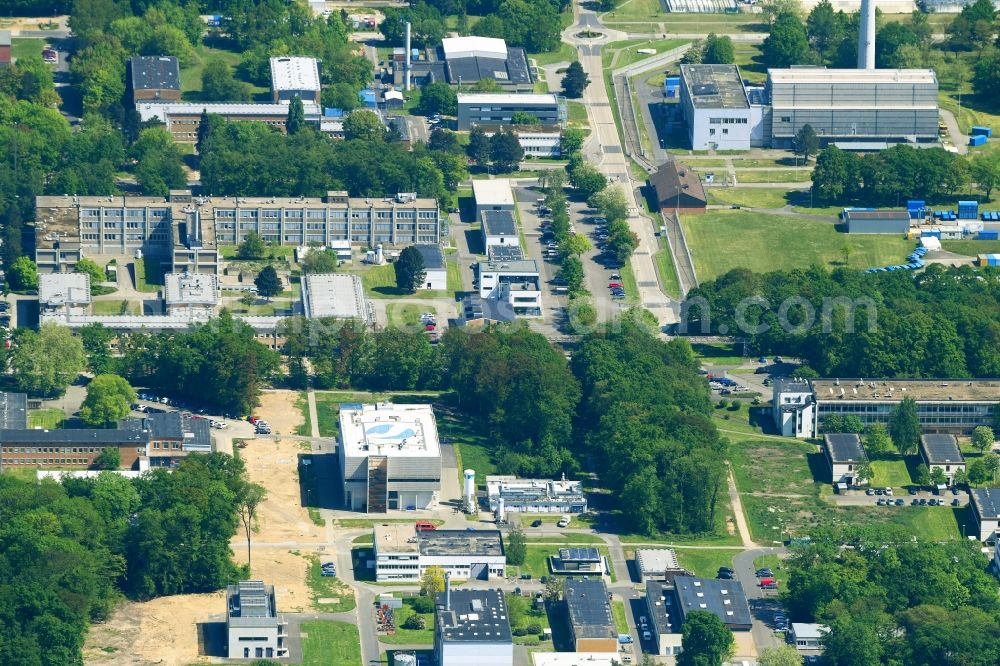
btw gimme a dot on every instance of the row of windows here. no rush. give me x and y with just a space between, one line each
922 408
130 213
318 214
167 445
727 121
56 449
45 461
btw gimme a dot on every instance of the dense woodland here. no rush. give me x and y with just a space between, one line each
894 601
69 552
941 322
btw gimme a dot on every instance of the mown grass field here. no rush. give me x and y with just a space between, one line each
972 247
723 240
321 639
703 562
49 418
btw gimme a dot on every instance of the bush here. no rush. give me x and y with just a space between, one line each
723 404
424 604
734 406
534 628
520 631
415 622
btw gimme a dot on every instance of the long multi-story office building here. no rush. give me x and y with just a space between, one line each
951 406
499 109
189 229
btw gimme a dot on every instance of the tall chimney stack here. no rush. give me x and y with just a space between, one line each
408 51
866 36
447 590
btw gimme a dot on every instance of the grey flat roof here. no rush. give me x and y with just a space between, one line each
892 390
250 603
125 435
844 448
715 86
499 223
155 73
473 616
338 295
941 449
13 411
432 254
658 596
505 253
987 502
460 542
791 385
723 598
656 560
589 608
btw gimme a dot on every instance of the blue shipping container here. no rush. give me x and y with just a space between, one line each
931 234
977 140
979 130
988 235
968 210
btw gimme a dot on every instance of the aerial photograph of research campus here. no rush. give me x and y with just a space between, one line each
499 332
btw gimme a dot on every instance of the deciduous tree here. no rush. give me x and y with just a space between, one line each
296 121
806 142
982 438
252 247
438 97
364 125
432 582
109 399
575 81
45 362
516 547
904 426
706 641
109 458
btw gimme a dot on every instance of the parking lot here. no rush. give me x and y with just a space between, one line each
951 498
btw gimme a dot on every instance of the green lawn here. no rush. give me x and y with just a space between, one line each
117 307
364 539
21 47
629 283
562 538
402 636
148 275
49 418
329 594
626 52
892 472
476 457
406 315
787 469
566 53
380 282
668 275
776 176
750 197
537 560
723 240
719 353
775 564
328 406
454 275
302 404
576 521
621 620
524 616
972 247
704 562
321 639
577 113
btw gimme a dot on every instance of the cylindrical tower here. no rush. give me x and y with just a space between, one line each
470 490
866 36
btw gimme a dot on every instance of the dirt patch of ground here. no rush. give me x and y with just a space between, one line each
279 410
162 631
286 570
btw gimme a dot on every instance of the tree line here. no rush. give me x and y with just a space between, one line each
889 599
69 551
941 322
889 177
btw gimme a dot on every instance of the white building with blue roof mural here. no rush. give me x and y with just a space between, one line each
390 457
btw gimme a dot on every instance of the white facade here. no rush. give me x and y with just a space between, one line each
808 636
540 144
403 554
474 47
499 108
514 283
193 293
535 495
436 279
575 659
793 408
390 457
480 653
717 109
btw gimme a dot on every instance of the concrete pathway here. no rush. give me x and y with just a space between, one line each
313 413
960 140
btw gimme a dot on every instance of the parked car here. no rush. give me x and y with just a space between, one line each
536 523
880 502
646 636
870 491
563 522
768 584
765 573
955 502
900 502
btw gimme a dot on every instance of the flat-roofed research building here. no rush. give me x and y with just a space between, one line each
402 553
591 623
337 295
293 76
254 629
390 456
472 627
499 108
843 453
717 109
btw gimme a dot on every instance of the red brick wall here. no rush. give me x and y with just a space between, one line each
65 457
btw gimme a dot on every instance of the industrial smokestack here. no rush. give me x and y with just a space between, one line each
407 61
866 36
447 590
